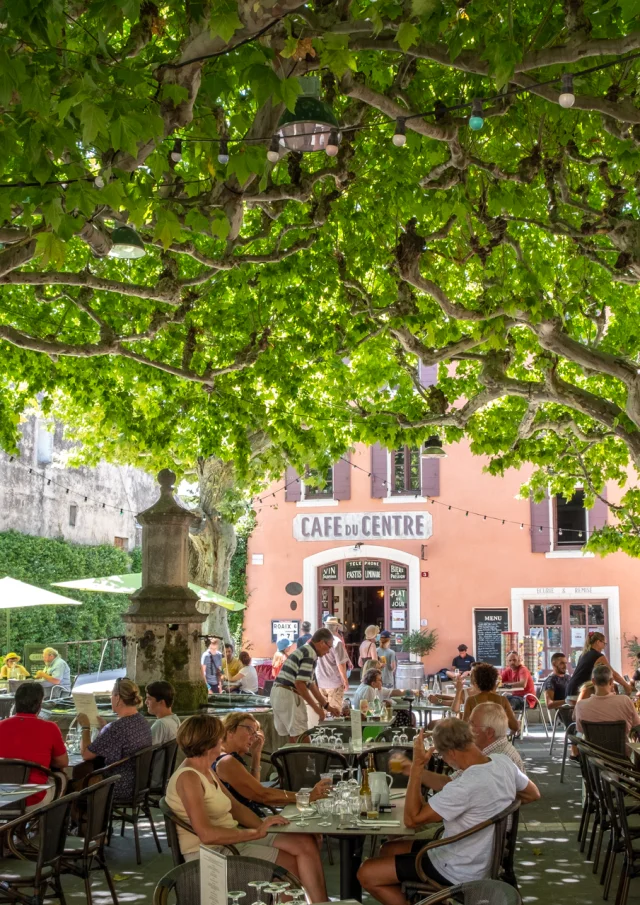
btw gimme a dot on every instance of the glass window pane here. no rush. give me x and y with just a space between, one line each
414 476
398 471
554 639
536 614
596 614
571 520
578 614
554 614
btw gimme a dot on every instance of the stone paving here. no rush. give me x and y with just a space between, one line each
550 869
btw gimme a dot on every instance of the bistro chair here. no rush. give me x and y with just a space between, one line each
27 879
569 738
611 736
621 793
13 770
387 734
478 892
563 716
301 766
164 759
85 853
343 730
500 850
184 881
381 762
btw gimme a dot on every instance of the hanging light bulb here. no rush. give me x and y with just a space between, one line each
567 98
309 127
333 145
273 154
99 181
400 135
223 152
476 120
127 244
176 151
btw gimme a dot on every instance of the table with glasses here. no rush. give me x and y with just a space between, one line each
339 816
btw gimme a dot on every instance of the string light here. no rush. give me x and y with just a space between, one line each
567 98
333 145
99 181
223 153
273 154
476 120
176 151
400 135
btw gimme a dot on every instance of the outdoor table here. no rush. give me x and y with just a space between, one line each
346 750
351 839
10 792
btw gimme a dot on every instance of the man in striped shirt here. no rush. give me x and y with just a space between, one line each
296 687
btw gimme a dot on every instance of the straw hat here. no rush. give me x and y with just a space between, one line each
370 632
11 656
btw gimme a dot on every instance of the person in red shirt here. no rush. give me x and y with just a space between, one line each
519 680
25 737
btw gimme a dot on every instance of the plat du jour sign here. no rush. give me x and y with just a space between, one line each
363 526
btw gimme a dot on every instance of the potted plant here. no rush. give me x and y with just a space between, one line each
420 642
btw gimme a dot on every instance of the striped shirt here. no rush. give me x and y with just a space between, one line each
300 666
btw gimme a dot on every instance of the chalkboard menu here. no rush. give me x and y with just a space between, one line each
397 598
397 573
330 573
353 571
373 571
489 625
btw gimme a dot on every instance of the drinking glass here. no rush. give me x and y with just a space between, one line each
302 803
325 809
364 707
404 738
337 776
235 896
396 737
281 889
354 806
342 810
374 811
258 885
272 890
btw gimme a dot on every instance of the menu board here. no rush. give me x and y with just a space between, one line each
489 625
397 573
397 598
353 571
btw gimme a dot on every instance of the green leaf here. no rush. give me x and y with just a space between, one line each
51 249
424 7
225 24
53 213
288 91
290 47
630 9
94 122
167 228
175 93
124 135
220 225
197 221
407 35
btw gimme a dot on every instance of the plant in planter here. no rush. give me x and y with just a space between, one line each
632 646
420 642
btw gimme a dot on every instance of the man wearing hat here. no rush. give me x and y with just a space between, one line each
463 662
12 669
331 670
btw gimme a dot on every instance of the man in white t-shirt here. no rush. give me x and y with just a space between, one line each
159 703
331 670
247 677
484 788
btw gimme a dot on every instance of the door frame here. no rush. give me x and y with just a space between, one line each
610 593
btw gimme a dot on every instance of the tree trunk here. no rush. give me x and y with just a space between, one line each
213 542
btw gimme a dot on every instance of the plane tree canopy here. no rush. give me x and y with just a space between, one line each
285 300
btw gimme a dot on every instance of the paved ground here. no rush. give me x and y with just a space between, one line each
550 869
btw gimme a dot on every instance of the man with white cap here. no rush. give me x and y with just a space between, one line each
331 670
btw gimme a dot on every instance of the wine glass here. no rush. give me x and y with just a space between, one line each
258 885
271 889
325 809
303 798
404 738
342 810
235 896
282 887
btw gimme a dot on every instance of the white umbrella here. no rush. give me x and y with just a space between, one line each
16 594
132 581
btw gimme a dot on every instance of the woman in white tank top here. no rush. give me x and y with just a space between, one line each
195 795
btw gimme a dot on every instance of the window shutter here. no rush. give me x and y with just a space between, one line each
598 513
342 479
293 488
379 458
430 477
427 374
540 540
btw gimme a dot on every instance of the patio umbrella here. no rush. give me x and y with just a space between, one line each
132 581
16 594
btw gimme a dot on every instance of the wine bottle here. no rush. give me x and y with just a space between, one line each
365 793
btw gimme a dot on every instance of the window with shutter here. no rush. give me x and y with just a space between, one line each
293 488
316 491
379 459
406 475
540 531
570 521
342 478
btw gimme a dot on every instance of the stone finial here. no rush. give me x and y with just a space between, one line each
167 480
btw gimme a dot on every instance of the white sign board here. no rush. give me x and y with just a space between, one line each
363 526
285 628
356 730
213 877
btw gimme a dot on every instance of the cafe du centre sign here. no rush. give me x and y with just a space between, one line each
363 526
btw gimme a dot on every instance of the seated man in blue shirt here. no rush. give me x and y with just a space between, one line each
463 663
56 671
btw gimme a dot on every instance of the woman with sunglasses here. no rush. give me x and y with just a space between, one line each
127 734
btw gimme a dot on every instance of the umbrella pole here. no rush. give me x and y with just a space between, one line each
8 630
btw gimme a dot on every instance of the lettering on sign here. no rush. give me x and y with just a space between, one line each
372 571
363 525
353 571
397 598
397 573
324 596
489 625
560 592
285 628
330 573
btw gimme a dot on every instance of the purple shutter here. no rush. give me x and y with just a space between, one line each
342 478
427 374
293 487
430 477
540 539
379 458
598 513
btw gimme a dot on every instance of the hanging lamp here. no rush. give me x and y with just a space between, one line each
311 124
432 449
127 244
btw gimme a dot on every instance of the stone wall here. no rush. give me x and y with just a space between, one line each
32 505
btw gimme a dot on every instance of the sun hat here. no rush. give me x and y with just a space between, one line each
333 620
370 632
12 656
283 644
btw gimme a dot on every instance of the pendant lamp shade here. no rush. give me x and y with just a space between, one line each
127 243
309 127
432 449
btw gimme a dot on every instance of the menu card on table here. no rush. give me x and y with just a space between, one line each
356 730
213 877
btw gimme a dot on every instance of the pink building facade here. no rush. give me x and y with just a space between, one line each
388 541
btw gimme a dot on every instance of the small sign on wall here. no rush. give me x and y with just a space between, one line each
330 573
398 598
397 573
285 628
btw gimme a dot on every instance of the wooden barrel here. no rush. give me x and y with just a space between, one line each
409 676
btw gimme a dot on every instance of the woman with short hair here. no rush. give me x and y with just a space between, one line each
485 678
195 794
